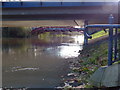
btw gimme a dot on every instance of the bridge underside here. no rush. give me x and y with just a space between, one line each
56 20
59 16
36 23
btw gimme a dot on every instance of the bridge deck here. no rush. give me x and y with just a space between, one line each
52 4
37 12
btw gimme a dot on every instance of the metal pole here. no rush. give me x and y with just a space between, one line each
41 3
115 46
118 48
85 32
110 45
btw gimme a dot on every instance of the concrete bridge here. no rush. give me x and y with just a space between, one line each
57 13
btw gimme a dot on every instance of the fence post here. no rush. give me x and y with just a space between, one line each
85 32
110 44
115 46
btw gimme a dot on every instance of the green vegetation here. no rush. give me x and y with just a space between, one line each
92 57
16 32
119 45
54 34
99 34
16 43
118 30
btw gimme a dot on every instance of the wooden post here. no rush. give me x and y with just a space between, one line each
110 45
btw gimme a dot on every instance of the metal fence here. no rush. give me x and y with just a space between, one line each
113 52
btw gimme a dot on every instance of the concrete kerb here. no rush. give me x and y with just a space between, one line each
96 78
106 76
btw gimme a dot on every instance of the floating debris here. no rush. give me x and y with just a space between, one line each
28 69
14 69
67 85
71 74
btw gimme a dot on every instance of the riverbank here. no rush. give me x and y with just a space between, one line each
16 32
90 59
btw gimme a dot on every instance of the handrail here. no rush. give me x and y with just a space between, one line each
111 44
104 26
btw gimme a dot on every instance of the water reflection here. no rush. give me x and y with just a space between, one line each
79 39
69 51
38 62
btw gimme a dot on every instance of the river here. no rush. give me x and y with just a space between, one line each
38 62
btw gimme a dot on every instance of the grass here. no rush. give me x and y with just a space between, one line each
94 56
91 58
99 34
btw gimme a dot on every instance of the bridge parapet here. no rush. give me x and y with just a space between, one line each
17 4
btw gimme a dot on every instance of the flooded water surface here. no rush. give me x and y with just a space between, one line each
38 62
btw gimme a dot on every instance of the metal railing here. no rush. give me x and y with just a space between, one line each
113 53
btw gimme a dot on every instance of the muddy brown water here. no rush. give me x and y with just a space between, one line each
38 62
